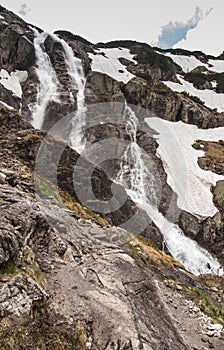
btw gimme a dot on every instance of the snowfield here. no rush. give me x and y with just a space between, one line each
217 66
13 81
210 97
106 61
188 63
180 160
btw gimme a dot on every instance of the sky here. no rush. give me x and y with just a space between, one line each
191 24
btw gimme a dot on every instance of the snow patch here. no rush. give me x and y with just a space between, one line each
6 105
106 61
209 97
180 160
187 63
217 66
13 81
214 84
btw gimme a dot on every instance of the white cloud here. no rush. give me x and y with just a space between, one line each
207 37
100 20
173 32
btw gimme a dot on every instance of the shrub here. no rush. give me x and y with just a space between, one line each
193 98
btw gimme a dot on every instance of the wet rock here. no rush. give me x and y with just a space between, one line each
2 178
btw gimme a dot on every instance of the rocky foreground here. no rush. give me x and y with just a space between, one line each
63 288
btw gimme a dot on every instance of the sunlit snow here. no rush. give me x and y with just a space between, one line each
217 66
188 63
106 61
180 159
13 81
6 105
211 98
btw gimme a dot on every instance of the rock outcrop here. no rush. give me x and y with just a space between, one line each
105 290
70 277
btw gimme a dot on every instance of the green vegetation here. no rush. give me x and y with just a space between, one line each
136 253
68 35
31 267
32 137
220 83
144 250
8 268
63 198
144 76
198 79
193 98
40 331
202 300
211 309
145 54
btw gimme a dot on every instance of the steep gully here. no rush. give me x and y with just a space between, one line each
195 259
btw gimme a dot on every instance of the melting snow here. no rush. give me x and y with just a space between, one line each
180 160
106 61
187 63
48 87
13 81
210 97
217 66
6 105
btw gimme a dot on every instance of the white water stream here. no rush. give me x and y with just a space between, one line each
195 259
78 81
134 175
48 82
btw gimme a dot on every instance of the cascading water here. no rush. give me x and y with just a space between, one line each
48 82
78 81
134 175
195 259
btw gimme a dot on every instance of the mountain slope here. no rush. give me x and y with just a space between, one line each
154 174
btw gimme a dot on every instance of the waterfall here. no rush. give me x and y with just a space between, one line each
78 81
134 176
48 82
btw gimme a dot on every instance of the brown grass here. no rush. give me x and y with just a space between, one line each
214 151
147 250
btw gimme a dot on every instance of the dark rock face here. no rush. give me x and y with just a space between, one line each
80 47
169 105
6 95
211 235
102 88
27 145
219 196
88 284
145 90
16 48
150 62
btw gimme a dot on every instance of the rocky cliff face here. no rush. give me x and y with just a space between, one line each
64 280
62 275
